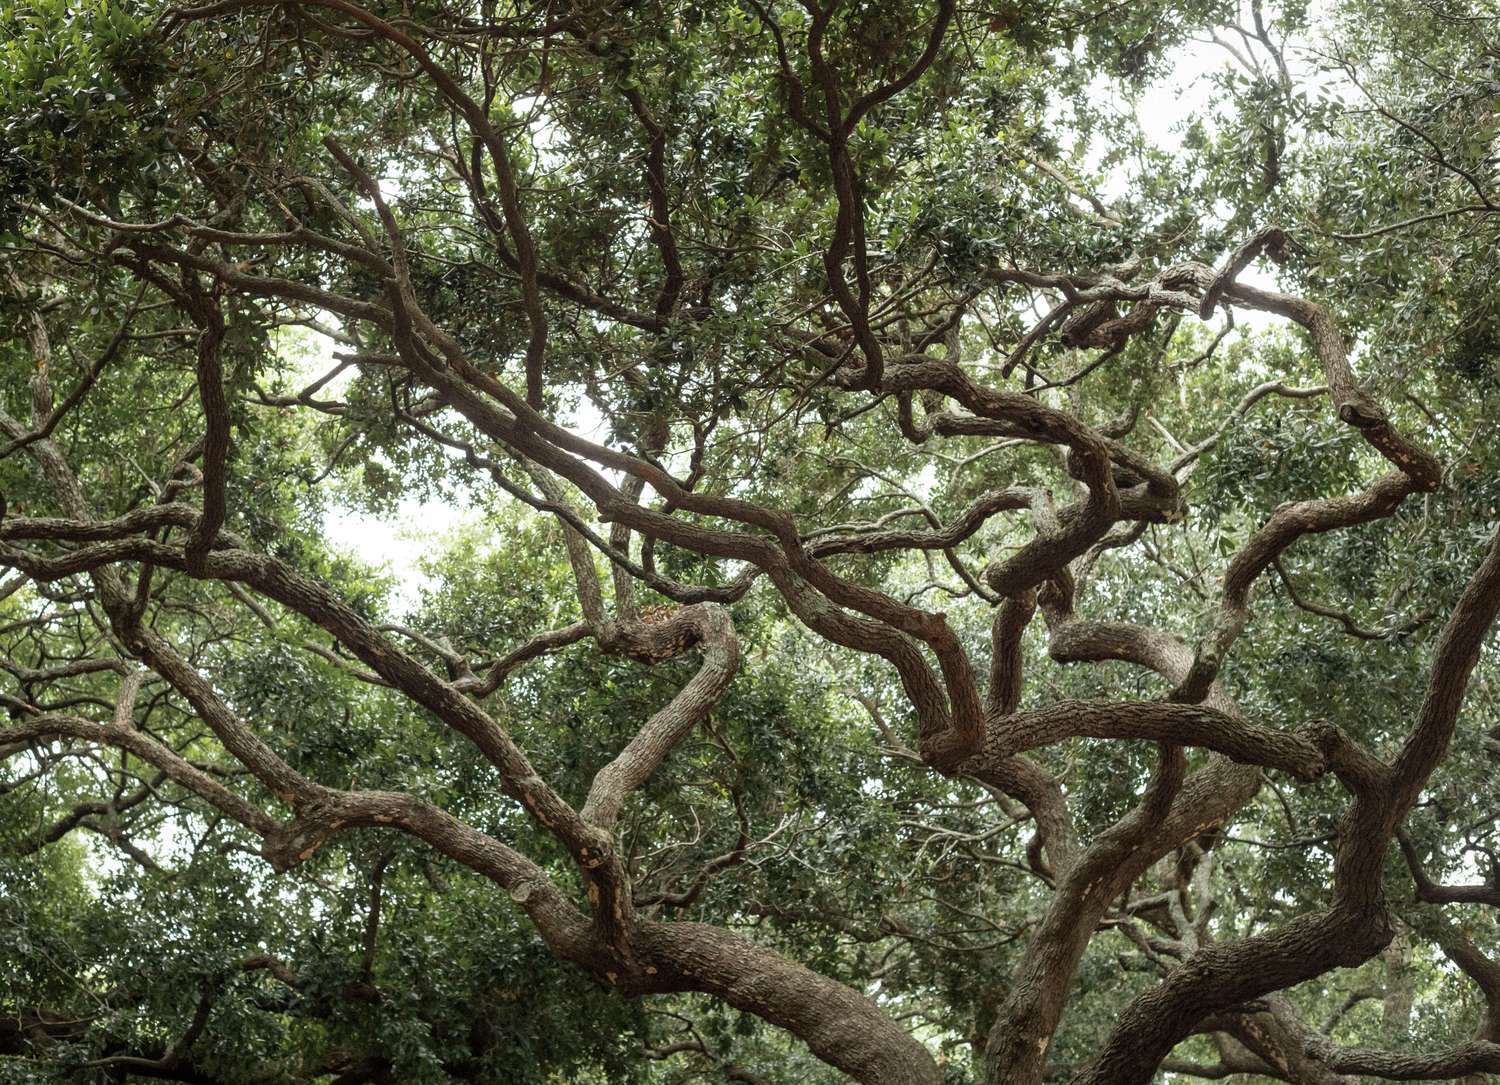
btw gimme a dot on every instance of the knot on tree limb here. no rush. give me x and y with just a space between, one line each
1358 769
663 633
947 751
1364 933
1361 413
1278 245
295 842
1082 329
1189 275
290 846
598 850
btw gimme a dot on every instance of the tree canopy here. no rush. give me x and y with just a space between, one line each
929 571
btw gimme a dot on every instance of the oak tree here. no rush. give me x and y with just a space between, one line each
937 581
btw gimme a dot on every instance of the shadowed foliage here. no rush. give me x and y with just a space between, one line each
915 570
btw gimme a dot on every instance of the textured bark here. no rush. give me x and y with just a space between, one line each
1017 1046
841 1026
1185 725
868 346
1356 926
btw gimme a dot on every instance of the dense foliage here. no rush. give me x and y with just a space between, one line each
924 574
